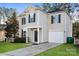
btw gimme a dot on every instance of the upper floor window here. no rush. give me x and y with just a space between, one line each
56 19
23 21
31 17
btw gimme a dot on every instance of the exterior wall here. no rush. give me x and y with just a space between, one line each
31 35
68 26
56 30
32 23
2 35
64 27
56 27
20 26
40 36
44 24
43 20
30 32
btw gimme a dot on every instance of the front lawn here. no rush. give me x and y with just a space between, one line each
62 50
5 47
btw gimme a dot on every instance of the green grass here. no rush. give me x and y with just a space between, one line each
5 47
62 50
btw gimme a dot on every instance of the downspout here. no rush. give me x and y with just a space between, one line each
38 26
65 30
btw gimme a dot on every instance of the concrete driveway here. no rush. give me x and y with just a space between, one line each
31 50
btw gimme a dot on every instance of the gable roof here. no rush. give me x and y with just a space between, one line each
61 11
54 11
29 8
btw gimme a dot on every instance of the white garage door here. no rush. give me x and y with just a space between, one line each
56 37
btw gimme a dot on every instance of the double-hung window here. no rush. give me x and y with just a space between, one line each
23 21
56 19
31 17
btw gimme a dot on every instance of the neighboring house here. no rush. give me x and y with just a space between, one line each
4 13
38 26
75 14
2 27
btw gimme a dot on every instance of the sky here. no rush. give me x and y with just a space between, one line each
19 6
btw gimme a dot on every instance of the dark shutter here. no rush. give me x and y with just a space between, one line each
24 20
34 17
51 19
59 17
29 18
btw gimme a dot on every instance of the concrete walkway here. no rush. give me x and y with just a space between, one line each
30 51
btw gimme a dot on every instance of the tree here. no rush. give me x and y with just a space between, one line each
12 26
57 6
76 29
66 7
8 33
46 7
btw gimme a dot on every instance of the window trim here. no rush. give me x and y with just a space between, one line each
53 19
32 20
23 20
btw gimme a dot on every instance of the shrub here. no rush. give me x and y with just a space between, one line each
19 40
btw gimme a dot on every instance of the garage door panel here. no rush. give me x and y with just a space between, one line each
56 37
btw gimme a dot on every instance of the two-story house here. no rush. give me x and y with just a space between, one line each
39 27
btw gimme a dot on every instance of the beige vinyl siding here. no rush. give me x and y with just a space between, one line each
68 26
20 26
32 23
56 27
44 24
